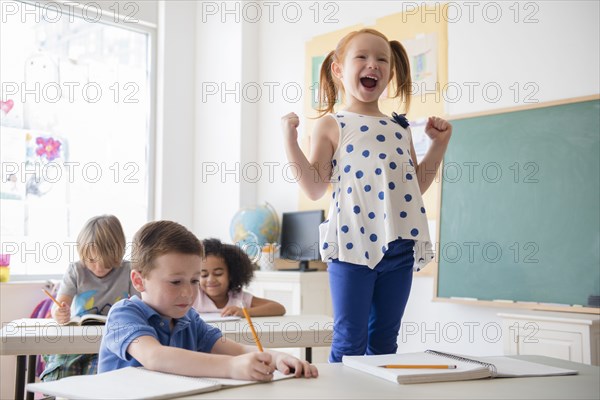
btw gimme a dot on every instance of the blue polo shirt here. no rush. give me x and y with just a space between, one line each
132 318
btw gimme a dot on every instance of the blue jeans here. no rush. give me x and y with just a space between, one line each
368 304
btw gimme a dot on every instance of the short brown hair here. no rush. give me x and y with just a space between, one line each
104 235
157 238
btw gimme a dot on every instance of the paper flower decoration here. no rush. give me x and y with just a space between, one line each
47 147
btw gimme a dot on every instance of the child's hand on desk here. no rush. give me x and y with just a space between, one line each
232 310
62 314
288 364
252 366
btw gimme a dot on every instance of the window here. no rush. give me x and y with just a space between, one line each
74 131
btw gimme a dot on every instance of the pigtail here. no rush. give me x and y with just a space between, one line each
401 73
327 88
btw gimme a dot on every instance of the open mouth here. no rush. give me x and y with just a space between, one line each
368 81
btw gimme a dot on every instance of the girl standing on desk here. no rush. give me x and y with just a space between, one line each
226 269
376 232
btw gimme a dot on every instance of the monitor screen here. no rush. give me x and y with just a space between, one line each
300 236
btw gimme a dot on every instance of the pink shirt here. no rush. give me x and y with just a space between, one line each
204 304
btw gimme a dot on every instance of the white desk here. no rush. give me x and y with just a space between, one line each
338 382
26 342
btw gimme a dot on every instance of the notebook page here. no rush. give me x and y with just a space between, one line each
511 367
277 376
216 317
373 365
125 383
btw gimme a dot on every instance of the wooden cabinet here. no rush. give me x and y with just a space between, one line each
568 336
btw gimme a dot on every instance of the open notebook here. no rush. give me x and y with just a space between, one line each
135 383
86 319
466 367
216 317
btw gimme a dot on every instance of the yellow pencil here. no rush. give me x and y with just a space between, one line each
256 339
419 366
52 297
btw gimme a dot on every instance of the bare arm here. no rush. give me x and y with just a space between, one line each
227 360
316 170
62 314
265 308
439 130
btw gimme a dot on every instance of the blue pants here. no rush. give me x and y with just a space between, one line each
368 304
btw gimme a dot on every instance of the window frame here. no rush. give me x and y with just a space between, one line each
140 26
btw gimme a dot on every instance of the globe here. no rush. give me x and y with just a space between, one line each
253 227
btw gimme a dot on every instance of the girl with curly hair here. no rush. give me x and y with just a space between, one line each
226 269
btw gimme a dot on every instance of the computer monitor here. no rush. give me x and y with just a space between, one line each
300 237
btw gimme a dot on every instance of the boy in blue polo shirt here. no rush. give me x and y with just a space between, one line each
161 332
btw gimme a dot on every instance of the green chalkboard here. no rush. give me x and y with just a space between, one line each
519 216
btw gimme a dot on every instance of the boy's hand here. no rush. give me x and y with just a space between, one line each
289 124
232 310
438 129
252 366
288 364
62 314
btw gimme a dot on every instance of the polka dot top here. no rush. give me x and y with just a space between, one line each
376 198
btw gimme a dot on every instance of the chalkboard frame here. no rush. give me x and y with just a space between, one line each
505 302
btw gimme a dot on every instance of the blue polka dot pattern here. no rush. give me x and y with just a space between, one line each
382 201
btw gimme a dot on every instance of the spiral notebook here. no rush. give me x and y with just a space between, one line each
459 368
135 383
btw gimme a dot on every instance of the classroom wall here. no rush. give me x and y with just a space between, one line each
553 58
